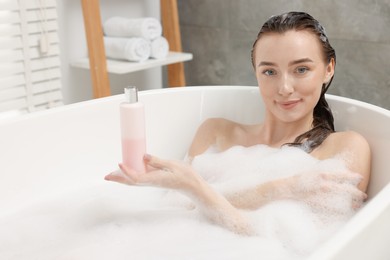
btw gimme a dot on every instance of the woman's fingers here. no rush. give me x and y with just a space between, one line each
124 175
134 177
127 171
319 189
153 177
357 196
117 176
156 175
157 163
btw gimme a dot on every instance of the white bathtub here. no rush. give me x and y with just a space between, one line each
71 147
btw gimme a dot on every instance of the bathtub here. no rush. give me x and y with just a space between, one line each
54 152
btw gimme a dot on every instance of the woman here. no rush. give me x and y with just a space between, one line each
294 65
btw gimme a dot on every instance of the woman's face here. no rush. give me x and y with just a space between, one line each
290 70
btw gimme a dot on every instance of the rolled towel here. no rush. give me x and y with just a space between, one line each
148 27
131 49
159 48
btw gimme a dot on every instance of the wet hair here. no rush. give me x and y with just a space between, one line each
323 122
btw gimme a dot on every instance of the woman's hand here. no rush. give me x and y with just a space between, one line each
180 176
160 173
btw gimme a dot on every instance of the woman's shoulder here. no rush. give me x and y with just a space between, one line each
347 139
353 148
217 122
341 142
213 131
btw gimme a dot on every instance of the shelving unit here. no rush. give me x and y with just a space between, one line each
99 66
123 67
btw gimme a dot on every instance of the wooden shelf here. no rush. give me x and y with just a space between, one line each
101 66
123 67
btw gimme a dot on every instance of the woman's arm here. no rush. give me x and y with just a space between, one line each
357 154
305 187
180 176
349 146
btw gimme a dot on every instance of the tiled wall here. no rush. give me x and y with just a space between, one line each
220 34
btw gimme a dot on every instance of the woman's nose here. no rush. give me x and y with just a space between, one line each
286 86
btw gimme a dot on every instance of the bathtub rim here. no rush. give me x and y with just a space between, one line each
329 97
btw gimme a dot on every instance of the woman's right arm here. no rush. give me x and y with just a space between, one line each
180 176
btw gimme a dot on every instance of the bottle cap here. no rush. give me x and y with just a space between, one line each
131 94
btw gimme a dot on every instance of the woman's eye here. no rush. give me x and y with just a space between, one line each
302 70
269 72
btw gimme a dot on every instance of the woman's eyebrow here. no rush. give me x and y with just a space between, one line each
294 62
300 61
266 63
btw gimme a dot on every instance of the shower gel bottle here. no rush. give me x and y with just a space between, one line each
132 120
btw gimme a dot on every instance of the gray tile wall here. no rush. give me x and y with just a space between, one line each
220 34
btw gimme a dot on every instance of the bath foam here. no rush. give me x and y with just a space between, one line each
111 221
108 222
300 225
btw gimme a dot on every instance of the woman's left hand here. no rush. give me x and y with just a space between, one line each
160 173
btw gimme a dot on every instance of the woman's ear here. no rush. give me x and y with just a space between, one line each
329 70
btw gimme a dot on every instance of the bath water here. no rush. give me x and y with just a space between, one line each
111 221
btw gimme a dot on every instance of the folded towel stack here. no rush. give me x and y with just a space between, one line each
134 39
159 48
131 49
148 28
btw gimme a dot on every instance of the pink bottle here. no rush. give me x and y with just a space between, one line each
132 118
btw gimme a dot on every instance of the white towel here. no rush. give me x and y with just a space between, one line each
159 48
148 27
131 49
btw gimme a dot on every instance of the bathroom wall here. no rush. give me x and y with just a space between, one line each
220 34
76 82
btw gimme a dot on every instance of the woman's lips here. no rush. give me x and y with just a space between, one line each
288 104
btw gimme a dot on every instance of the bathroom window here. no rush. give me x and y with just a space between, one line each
29 56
